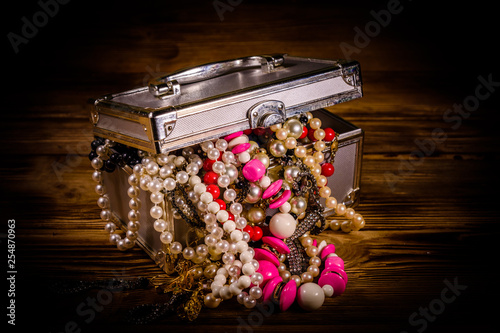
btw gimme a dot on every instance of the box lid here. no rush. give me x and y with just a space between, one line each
211 100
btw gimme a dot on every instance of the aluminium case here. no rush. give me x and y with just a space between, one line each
212 100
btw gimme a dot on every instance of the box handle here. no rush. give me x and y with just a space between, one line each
169 85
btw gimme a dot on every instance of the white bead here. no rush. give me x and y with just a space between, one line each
229 226
225 292
213 207
166 237
229 195
156 212
282 225
285 208
241 246
236 208
220 279
246 256
244 282
206 197
179 161
193 180
255 292
257 278
155 185
328 290
218 167
310 296
156 197
152 168
182 177
160 225
234 289
244 157
221 144
169 184
264 182
200 188
236 235
223 181
223 216
236 141
248 269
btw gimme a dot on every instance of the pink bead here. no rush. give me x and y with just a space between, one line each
268 291
272 189
240 148
288 295
276 244
268 271
315 243
329 249
253 170
334 280
281 200
333 261
266 255
233 135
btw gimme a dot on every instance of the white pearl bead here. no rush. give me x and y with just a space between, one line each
213 207
282 225
285 208
225 292
223 181
160 225
328 290
264 182
206 197
229 226
234 289
241 246
166 237
156 212
236 235
169 184
244 157
310 296
246 256
248 268
223 216
244 282
229 195
200 188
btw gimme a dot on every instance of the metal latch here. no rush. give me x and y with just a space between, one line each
266 114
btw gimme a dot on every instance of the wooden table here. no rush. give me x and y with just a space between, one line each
424 262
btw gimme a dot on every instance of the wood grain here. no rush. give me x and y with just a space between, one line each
437 220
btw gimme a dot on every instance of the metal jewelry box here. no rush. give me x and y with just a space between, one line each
210 101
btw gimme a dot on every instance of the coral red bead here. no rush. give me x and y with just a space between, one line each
221 203
327 169
248 229
257 233
304 132
310 135
214 190
247 132
207 164
329 134
230 216
210 178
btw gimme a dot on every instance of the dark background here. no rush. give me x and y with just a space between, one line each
439 222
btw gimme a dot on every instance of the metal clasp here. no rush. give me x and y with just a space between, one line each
266 114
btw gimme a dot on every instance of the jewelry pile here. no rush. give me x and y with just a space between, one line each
252 201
